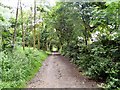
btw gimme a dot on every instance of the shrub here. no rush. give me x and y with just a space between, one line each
99 62
20 66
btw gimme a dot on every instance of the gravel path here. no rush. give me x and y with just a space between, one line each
58 72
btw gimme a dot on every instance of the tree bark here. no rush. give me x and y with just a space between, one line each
39 40
34 32
86 38
23 33
15 28
31 27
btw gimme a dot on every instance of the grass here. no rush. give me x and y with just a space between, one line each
20 66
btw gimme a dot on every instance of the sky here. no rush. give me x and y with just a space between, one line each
27 3
13 3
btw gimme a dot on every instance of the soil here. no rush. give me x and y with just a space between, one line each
58 72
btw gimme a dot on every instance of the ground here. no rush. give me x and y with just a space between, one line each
58 72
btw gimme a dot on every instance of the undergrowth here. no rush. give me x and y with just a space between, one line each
98 61
19 66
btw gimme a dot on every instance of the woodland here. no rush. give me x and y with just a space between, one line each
86 32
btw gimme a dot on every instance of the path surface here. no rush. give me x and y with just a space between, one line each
58 72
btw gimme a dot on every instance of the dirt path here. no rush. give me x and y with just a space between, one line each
58 72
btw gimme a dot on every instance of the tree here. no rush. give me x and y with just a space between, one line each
23 33
15 28
34 31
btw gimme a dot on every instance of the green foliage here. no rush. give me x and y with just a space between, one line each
86 32
98 62
20 66
99 58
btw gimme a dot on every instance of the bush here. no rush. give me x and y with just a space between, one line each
98 61
20 66
113 80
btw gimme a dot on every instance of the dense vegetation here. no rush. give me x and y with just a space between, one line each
19 66
86 32
19 61
89 34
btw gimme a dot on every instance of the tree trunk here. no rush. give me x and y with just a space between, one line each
14 33
23 33
86 38
31 27
39 40
34 32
